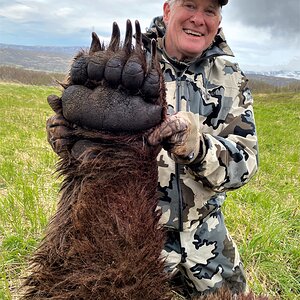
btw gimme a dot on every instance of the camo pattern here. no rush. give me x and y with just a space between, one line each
191 194
207 257
216 91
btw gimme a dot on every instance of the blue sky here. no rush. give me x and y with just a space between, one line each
262 33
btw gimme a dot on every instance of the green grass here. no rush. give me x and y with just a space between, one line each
263 216
28 187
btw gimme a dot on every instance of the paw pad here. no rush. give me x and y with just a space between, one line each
115 89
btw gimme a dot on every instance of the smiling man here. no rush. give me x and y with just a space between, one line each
191 26
209 144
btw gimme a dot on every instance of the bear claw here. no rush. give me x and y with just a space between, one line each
115 89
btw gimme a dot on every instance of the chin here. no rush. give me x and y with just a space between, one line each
192 54
193 51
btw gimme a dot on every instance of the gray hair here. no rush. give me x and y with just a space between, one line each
172 2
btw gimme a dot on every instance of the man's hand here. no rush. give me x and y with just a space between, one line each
60 132
179 135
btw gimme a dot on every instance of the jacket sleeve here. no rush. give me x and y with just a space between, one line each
229 160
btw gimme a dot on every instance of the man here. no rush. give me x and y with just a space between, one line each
209 141
214 150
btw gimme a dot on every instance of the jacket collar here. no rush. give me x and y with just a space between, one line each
157 31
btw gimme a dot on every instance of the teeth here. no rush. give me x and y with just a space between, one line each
193 32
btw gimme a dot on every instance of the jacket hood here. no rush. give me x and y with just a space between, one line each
157 31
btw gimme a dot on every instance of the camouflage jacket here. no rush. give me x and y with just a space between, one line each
216 91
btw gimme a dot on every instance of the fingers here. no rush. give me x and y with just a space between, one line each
60 140
61 145
171 127
58 120
60 134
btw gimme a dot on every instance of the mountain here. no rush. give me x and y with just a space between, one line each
47 49
281 74
50 59
272 80
58 59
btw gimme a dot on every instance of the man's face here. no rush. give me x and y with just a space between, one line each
191 27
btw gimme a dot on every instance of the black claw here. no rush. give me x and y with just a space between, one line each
95 45
151 86
62 84
153 51
138 35
128 37
151 62
115 38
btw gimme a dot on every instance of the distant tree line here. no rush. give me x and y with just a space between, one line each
259 86
24 76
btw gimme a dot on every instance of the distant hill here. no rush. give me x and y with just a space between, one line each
272 80
51 49
32 77
49 59
293 75
58 60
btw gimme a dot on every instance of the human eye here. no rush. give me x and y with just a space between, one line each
189 5
210 11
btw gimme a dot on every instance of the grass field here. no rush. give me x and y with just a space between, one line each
263 216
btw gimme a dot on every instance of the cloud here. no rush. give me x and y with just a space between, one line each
15 11
264 32
279 18
69 22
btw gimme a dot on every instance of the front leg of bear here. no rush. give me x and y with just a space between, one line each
105 241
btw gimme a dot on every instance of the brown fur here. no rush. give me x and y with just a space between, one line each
104 242
226 294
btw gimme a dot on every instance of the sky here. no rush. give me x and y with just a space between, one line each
263 34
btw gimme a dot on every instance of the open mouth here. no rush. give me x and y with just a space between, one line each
193 33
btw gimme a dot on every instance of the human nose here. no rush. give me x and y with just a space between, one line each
198 18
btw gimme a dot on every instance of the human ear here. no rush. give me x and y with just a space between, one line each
220 20
167 10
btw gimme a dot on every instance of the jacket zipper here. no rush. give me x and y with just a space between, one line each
177 167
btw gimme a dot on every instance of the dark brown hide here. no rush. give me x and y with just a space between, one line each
104 242
226 294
